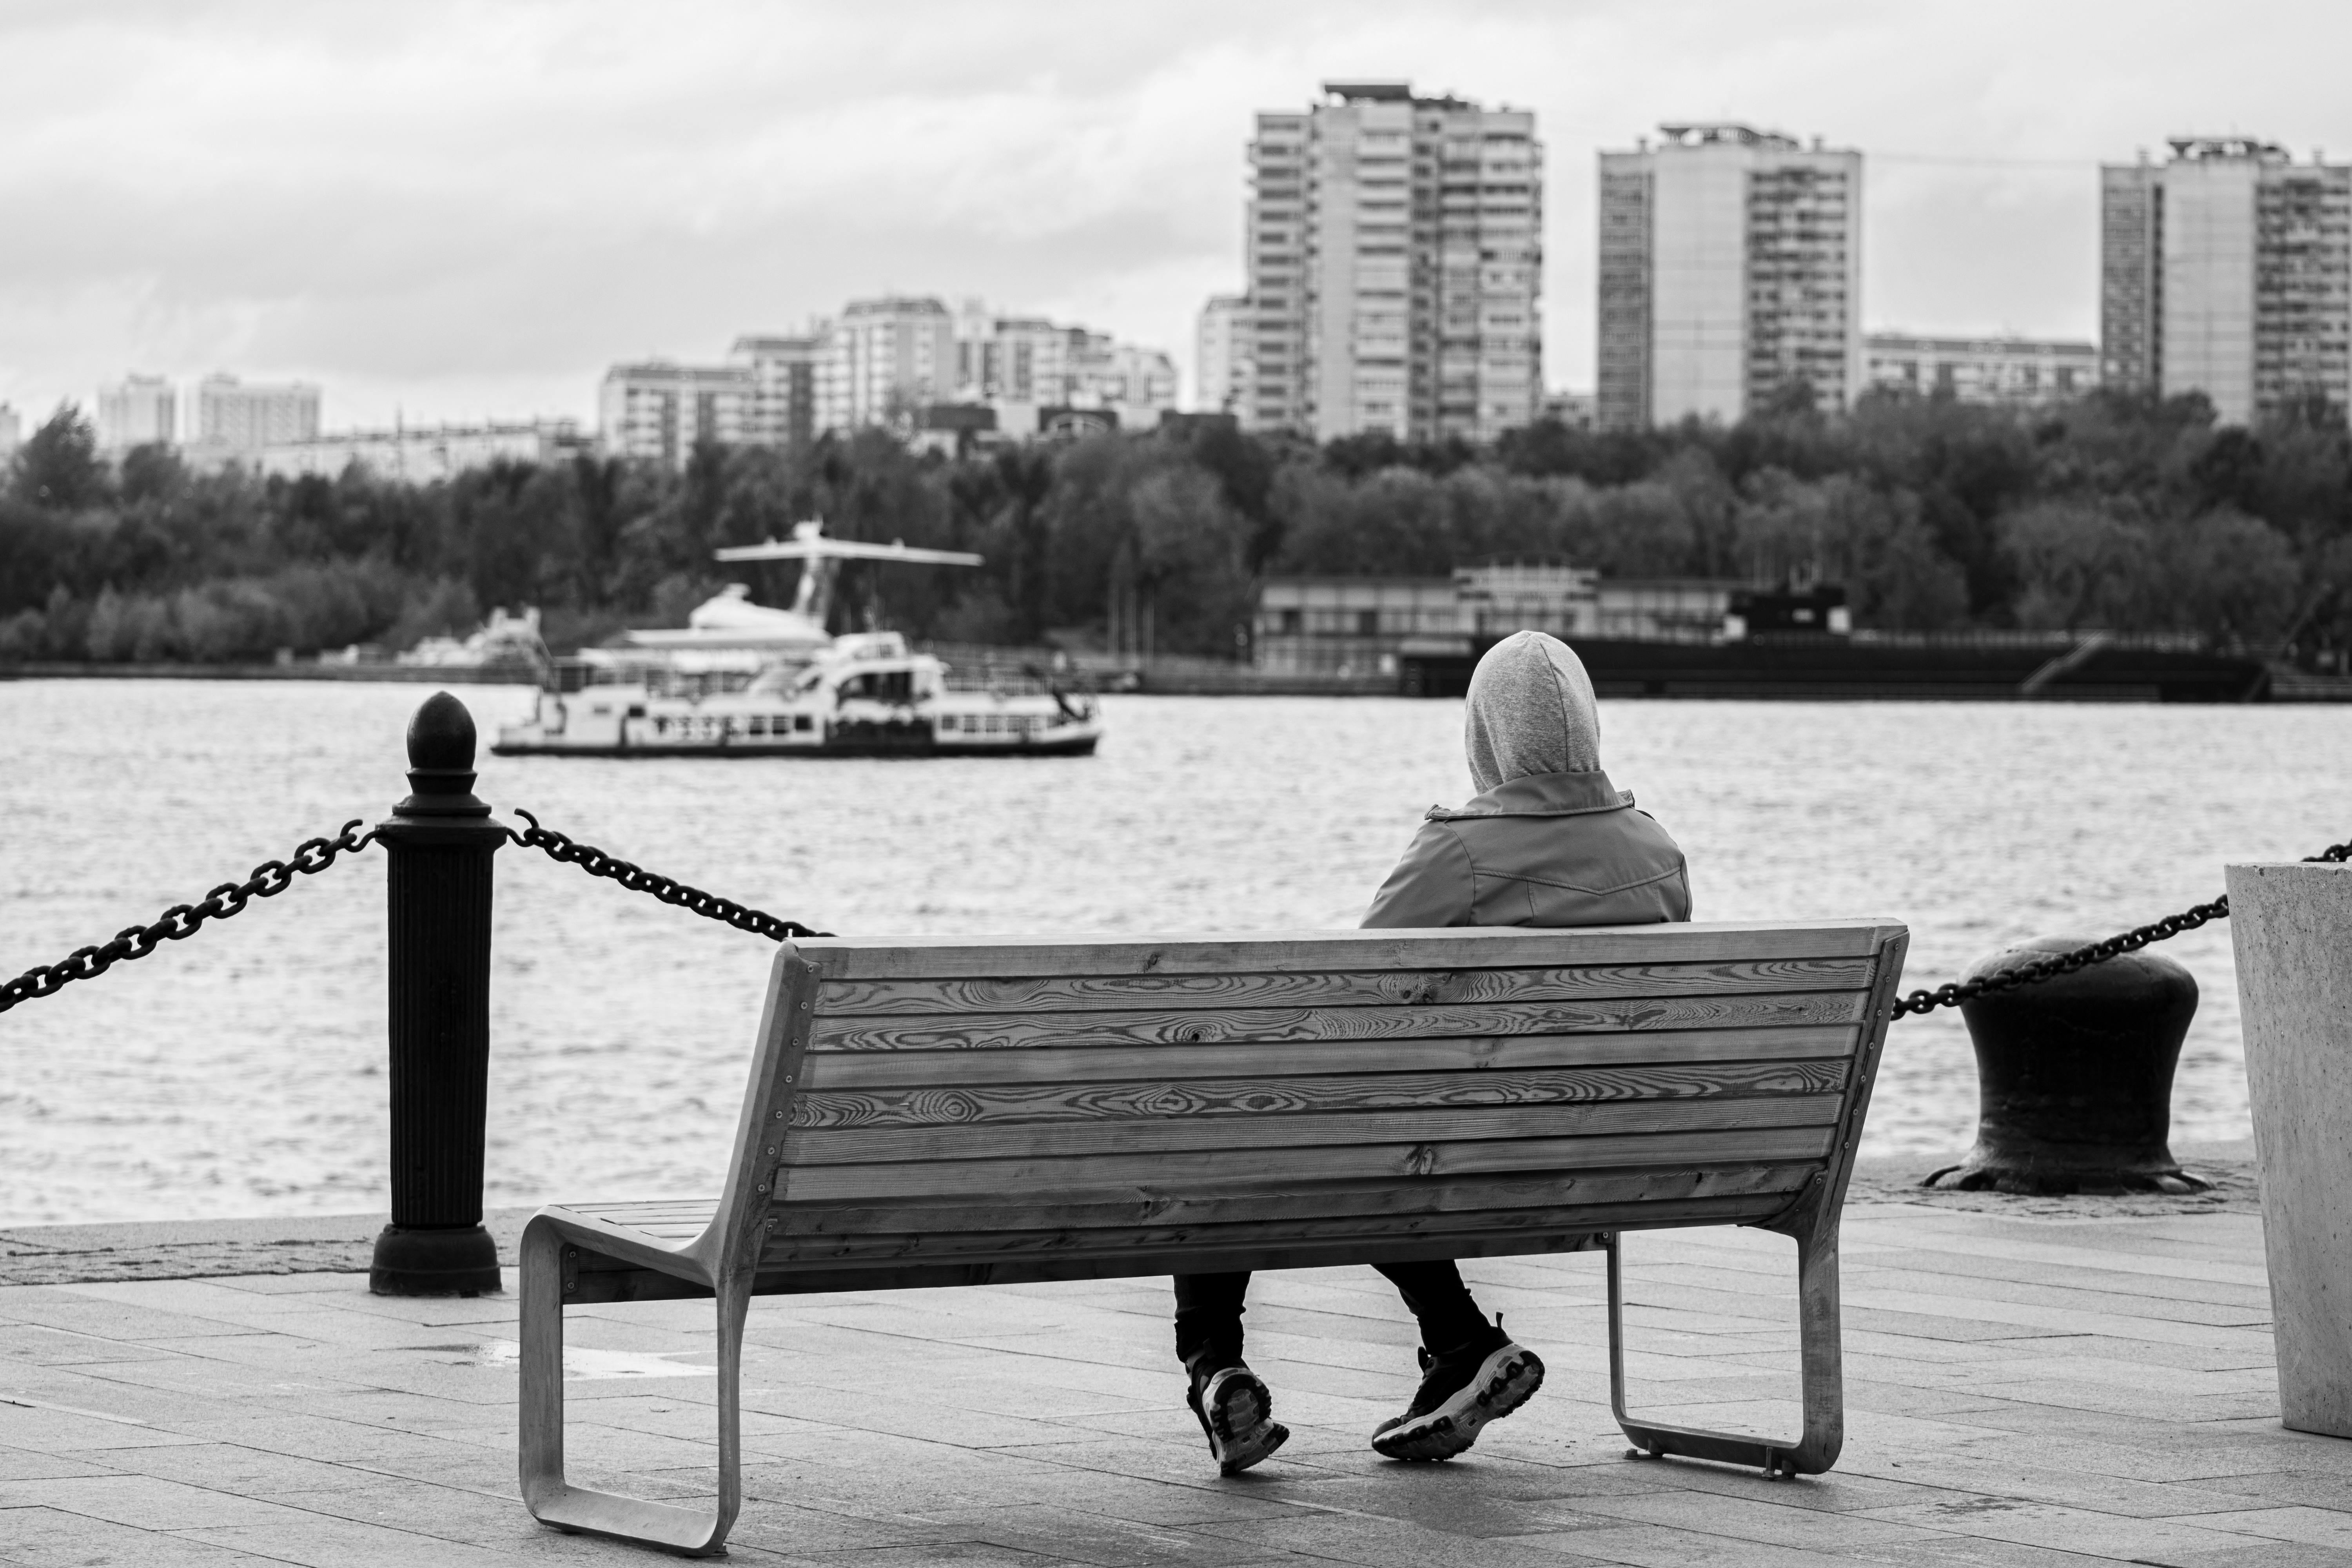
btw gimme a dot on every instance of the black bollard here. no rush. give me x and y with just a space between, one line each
440 840
2075 1075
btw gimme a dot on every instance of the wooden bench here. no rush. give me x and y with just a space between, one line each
974 1113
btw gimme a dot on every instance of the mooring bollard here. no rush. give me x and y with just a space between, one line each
2075 1075
441 840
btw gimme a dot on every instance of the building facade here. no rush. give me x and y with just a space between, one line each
234 419
2226 270
1362 625
884 359
137 411
1730 266
660 412
421 454
2017 372
1221 355
1020 365
1395 261
783 370
12 432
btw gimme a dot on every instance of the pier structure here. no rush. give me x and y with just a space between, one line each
2055 1383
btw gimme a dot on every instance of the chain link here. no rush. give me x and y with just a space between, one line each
269 879
2132 941
597 863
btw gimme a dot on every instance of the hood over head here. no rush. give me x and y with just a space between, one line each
1531 710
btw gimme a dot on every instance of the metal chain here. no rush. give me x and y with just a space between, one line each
2132 941
269 879
596 863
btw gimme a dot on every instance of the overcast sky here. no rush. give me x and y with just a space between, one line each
470 210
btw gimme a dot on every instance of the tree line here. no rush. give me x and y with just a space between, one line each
2113 511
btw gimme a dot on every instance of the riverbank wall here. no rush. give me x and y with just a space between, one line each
1212 678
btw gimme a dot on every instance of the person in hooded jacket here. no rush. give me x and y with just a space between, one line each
1548 840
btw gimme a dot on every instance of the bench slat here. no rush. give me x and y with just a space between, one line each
1015 1031
1308 1130
1024 1104
1041 1178
1095 993
1115 1208
947 958
815 1252
1110 1064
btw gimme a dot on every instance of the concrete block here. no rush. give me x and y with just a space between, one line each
2291 926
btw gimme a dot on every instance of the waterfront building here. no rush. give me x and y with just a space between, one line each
236 420
658 411
783 371
419 455
137 411
2016 372
1363 626
1730 270
1395 260
2226 270
1221 355
884 359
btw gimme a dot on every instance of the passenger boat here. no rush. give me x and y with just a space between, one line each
749 680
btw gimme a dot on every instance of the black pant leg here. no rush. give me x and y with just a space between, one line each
1440 1301
1209 1317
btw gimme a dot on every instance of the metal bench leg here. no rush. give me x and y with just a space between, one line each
693 1531
1823 1375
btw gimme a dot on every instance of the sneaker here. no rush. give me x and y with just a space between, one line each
1238 1413
1460 1393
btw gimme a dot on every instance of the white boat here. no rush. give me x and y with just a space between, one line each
744 679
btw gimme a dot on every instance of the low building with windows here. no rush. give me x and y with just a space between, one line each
420 454
2018 372
1363 626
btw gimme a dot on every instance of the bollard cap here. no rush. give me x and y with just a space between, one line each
441 761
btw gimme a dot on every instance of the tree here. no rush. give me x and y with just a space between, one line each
2077 565
58 469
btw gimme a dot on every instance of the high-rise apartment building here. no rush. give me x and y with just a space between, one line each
884 359
661 412
12 432
1395 258
1221 355
2226 270
238 419
1730 269
783 387
137 411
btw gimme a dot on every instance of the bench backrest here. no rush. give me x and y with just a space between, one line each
962 1111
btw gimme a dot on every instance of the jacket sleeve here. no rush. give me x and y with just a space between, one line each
1432 886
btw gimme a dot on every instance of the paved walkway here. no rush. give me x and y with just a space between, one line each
2022 1390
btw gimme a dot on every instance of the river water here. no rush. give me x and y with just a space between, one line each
240 1072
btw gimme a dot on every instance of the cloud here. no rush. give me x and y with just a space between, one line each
451 207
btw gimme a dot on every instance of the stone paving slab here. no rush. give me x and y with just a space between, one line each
2054 1385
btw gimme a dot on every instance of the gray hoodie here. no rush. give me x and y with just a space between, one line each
1547 841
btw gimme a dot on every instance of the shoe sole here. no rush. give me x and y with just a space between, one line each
1505 1379
1240 1419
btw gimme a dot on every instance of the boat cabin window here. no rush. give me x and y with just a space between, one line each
800 721
759 724
880 686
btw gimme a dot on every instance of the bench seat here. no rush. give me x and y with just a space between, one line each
973 1112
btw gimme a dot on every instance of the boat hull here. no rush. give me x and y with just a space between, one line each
1059 746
